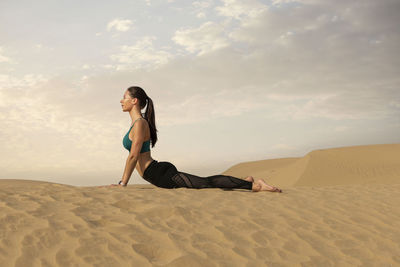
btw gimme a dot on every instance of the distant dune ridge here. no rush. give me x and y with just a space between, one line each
334 166
339 207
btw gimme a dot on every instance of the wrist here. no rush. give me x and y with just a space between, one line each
121 183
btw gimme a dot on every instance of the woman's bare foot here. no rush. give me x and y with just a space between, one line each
256 187
249 179
267 187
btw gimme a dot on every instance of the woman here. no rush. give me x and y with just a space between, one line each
164 174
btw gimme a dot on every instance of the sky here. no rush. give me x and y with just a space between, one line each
232 81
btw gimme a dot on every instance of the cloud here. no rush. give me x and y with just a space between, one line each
49 120
119 25
201 15
202 4
206 38
330 59
140 55
315 74
320 24
3 58
240 9
201 8
28 80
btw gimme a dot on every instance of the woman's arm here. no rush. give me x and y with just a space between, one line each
137 133
129 167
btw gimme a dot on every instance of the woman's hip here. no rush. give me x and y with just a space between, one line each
160 173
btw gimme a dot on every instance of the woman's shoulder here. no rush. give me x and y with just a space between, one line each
138 120
140 123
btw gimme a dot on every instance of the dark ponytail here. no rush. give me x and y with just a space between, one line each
149 115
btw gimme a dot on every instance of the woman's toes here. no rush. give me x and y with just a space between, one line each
276 189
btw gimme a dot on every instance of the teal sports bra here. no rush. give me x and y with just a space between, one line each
128 143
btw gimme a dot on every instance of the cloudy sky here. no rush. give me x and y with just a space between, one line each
232 81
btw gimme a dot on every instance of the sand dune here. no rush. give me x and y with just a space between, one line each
331 214
334 166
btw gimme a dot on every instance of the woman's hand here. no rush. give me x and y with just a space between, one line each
120 184
115 185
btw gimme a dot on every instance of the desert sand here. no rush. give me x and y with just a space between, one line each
339 207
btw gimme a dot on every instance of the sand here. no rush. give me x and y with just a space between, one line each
339 207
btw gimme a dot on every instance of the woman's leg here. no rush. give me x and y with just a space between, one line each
183 179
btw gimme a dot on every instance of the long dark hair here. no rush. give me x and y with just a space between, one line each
139 93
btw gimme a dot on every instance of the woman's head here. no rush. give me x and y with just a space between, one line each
136 92
134 95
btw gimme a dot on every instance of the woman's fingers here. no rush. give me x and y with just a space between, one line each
111 185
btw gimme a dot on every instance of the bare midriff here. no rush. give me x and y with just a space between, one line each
144 160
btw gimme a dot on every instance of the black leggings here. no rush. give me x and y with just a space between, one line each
164 174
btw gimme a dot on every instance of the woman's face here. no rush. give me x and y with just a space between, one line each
127 102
